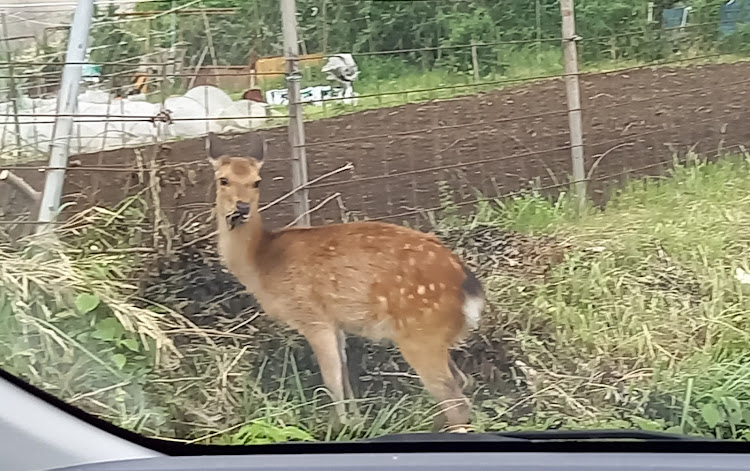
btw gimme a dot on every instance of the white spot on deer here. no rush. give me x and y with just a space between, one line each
407 246
421 289
402 291
331 247
432 286
472 310
399 278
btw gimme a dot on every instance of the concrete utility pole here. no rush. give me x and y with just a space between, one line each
67 103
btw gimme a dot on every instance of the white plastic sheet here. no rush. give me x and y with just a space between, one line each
103 123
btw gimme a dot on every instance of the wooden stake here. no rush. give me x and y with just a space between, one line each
324 18
198 66
538 23
210 37
475 62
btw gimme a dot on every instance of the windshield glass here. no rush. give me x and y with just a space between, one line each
545 215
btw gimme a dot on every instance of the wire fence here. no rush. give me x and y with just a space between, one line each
466 122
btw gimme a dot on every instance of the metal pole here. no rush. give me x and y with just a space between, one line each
573 92
296 125
12 91
67 103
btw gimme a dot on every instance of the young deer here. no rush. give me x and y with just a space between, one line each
373 279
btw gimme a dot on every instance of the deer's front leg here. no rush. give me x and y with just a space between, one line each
324 341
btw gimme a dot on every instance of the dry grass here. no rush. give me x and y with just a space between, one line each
70 319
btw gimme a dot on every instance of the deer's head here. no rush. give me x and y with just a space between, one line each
237 179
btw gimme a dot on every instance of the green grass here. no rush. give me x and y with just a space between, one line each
645 321
70 323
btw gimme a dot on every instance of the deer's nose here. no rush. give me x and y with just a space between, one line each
243 208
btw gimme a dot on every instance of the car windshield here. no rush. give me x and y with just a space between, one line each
250 222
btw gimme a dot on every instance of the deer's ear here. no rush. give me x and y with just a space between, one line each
256 148
215 149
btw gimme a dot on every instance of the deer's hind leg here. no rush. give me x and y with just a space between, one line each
348 392
433 365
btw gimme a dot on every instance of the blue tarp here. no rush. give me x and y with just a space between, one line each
732 13
672 17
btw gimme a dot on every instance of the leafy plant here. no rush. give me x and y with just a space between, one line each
611 30
68 325
260 432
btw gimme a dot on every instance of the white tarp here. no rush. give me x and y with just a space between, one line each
103 123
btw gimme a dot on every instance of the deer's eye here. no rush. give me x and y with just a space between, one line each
256 184
223 181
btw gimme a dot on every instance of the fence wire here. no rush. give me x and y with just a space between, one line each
484 117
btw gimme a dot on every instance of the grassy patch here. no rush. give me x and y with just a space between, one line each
71 325
644 324
646 320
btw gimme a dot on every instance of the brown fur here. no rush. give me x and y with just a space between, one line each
373 279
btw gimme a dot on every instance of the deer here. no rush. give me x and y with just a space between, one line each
374 279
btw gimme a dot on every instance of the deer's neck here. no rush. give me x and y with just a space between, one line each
238 249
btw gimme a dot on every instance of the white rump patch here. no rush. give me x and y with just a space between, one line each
472 310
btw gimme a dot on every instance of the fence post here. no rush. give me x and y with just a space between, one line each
538 15
573 92
67 101
324 20
12 92
296 125
475 62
